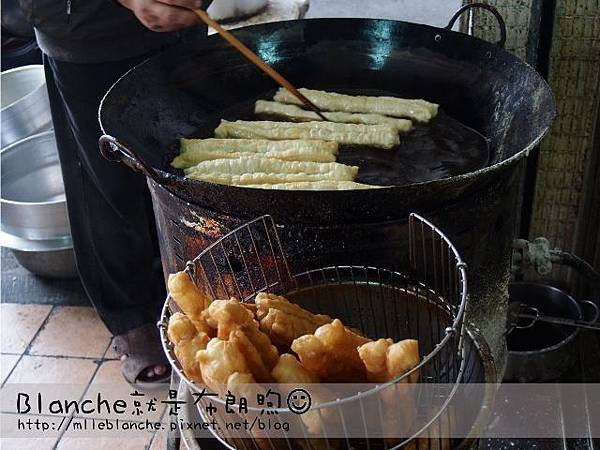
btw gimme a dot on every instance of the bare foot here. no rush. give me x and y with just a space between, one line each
151 372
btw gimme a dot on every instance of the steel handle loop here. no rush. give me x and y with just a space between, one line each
114 150
494 11
593 307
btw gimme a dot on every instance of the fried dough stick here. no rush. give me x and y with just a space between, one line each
235 321
258 146
324 185
420 110
218 362
382 136
226 316
284 321
190 299
291 371
258 352
187 341
331 353
296 114
194 151
384 361
188 160
266 165
264 179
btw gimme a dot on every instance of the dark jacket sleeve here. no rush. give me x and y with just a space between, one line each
90 31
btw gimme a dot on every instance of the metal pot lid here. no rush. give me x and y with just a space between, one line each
34 245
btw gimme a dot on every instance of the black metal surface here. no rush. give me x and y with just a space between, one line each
544 351
183 92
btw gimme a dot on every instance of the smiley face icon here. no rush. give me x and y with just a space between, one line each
299 401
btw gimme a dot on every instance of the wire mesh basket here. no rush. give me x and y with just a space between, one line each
425 301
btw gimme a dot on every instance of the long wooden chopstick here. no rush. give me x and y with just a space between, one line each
256 60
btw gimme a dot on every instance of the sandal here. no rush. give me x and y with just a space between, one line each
142 350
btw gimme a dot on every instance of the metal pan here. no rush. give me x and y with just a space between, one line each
541 351
187 89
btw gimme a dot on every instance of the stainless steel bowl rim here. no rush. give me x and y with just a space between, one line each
33 91
34 245
560 344
10 148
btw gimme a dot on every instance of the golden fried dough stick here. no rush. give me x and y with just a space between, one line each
322 185
262 342
259 146
187 341
381 136
189 298
194 151
269 178
241 166
296 114
284 321
245 385
331 352
386 360
289 370
417 109
227 315
257 354
218 361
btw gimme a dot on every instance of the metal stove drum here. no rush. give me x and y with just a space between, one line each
425 299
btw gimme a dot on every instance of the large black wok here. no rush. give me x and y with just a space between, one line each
185 91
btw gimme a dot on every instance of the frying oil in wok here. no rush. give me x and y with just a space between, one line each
442 148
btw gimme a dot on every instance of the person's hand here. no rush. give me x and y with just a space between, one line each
164 15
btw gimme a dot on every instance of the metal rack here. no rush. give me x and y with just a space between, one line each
425 301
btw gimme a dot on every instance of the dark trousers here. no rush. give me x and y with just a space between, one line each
109 205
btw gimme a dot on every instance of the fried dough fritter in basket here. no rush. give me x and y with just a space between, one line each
187 341
386 360
189 298
284 321
332 353
226 316
233 347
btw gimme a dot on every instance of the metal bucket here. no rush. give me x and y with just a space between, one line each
25 106
34 222
33 195
544 351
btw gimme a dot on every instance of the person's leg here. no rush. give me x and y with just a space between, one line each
109 205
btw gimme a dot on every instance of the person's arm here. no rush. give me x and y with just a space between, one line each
164 15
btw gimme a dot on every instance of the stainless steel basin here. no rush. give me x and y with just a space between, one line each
25 107
33 196
50 258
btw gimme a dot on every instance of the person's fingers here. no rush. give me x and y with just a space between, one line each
188 4
163 18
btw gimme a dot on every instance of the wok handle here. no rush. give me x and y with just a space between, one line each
490 8
591 306
114 150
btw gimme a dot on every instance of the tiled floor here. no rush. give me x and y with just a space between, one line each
69 346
